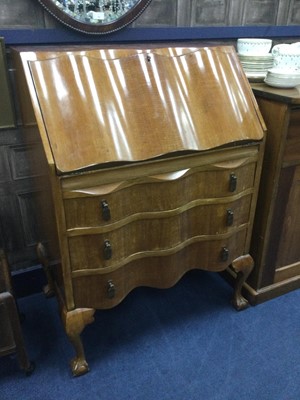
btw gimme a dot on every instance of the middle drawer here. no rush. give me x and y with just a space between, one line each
156 234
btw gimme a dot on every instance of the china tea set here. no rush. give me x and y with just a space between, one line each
279 67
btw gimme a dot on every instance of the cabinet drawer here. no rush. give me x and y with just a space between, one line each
158 234
292 147
118 201
92 288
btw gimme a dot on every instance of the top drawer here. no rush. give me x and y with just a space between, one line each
108 204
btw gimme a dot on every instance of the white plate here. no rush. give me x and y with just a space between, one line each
281 85
256 77
255 74
256 58
283 74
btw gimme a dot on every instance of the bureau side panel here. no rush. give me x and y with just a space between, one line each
276 117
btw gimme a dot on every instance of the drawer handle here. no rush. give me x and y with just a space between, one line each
105 210
229 217
111 290
224 254
107 250
232 182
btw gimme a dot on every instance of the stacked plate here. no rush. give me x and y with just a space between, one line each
256 66
281 78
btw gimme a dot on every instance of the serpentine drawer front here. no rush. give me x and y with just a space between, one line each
108 204
154 158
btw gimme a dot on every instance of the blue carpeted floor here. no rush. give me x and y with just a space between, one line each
184 343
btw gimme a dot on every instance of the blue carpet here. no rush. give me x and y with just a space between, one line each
184 343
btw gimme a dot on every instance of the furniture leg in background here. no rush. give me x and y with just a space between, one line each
11 337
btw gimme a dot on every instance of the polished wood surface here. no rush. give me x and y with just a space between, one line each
154 161
275 243
287 96
91 120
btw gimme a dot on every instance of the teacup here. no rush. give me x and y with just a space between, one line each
253 46
287 56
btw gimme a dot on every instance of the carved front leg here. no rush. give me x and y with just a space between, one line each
242 266
43 259
74 322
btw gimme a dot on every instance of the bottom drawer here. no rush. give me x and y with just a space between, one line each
99 289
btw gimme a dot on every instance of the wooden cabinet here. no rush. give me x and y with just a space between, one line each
154 159
11 337
275 245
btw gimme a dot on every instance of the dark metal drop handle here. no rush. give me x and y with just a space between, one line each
111 290
229 217
107 250
105 210
224 254
232 182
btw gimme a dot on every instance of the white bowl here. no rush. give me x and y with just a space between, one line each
286 56
282 78
252 46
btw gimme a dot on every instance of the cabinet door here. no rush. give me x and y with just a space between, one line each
284 249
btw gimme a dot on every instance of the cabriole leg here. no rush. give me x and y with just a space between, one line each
74 322
242 266
43 258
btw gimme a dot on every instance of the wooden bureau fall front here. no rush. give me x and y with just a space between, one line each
154 159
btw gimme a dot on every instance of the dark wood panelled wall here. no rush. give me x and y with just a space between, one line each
172 13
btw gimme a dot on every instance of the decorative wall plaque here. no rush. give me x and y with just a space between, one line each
95 16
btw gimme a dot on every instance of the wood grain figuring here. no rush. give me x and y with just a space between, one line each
126 199
162 95
90 289
289 249
292 147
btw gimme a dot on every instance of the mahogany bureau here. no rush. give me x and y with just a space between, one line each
154 159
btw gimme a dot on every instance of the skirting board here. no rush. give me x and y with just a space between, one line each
266 293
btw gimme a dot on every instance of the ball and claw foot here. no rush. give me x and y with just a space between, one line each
79 366
240 303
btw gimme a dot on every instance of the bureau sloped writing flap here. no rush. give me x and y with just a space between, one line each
145 104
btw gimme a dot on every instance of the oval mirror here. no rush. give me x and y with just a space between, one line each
95 16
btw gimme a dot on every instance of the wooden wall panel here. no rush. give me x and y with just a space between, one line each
260 12
19 227
171 13
21 14
30 219
159 13
210 12
294 13
4 166
19 160
7 116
